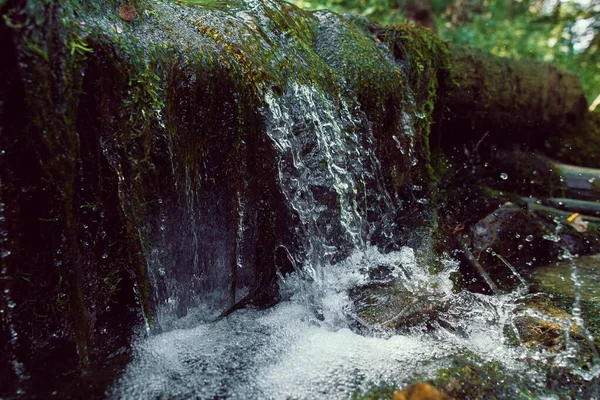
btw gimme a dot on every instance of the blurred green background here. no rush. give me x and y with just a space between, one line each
562 32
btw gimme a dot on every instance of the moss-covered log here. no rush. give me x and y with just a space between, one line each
516 101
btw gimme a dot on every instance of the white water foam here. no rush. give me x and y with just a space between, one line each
288 353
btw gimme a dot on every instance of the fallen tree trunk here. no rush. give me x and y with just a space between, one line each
516 101
507 102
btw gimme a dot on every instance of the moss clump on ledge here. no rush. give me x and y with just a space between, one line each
426 63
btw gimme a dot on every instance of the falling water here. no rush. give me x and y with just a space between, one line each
304 347
326 163
307 346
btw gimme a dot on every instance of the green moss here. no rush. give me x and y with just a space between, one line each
425 60
471 378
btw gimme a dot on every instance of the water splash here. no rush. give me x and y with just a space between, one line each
288 352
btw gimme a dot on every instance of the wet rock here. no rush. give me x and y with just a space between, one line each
381 273
390 308
470 377
515 235
538 322
567 227
420 391
557 280
542 324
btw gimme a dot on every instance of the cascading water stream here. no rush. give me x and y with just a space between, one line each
227 155
326 162
304 347
329 175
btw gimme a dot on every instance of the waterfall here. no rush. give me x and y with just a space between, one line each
237 199
304 347
328 173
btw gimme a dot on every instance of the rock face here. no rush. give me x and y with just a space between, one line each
149 156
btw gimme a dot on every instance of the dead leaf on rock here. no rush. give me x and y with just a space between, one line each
577 222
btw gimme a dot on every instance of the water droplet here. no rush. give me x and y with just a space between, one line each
104 256
11 304
592 180
504 176
529 238
520 247
517 235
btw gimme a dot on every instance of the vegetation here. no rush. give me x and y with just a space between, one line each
566 34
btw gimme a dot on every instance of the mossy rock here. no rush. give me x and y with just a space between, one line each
472 378
557 281
130 142
537 322
390 308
